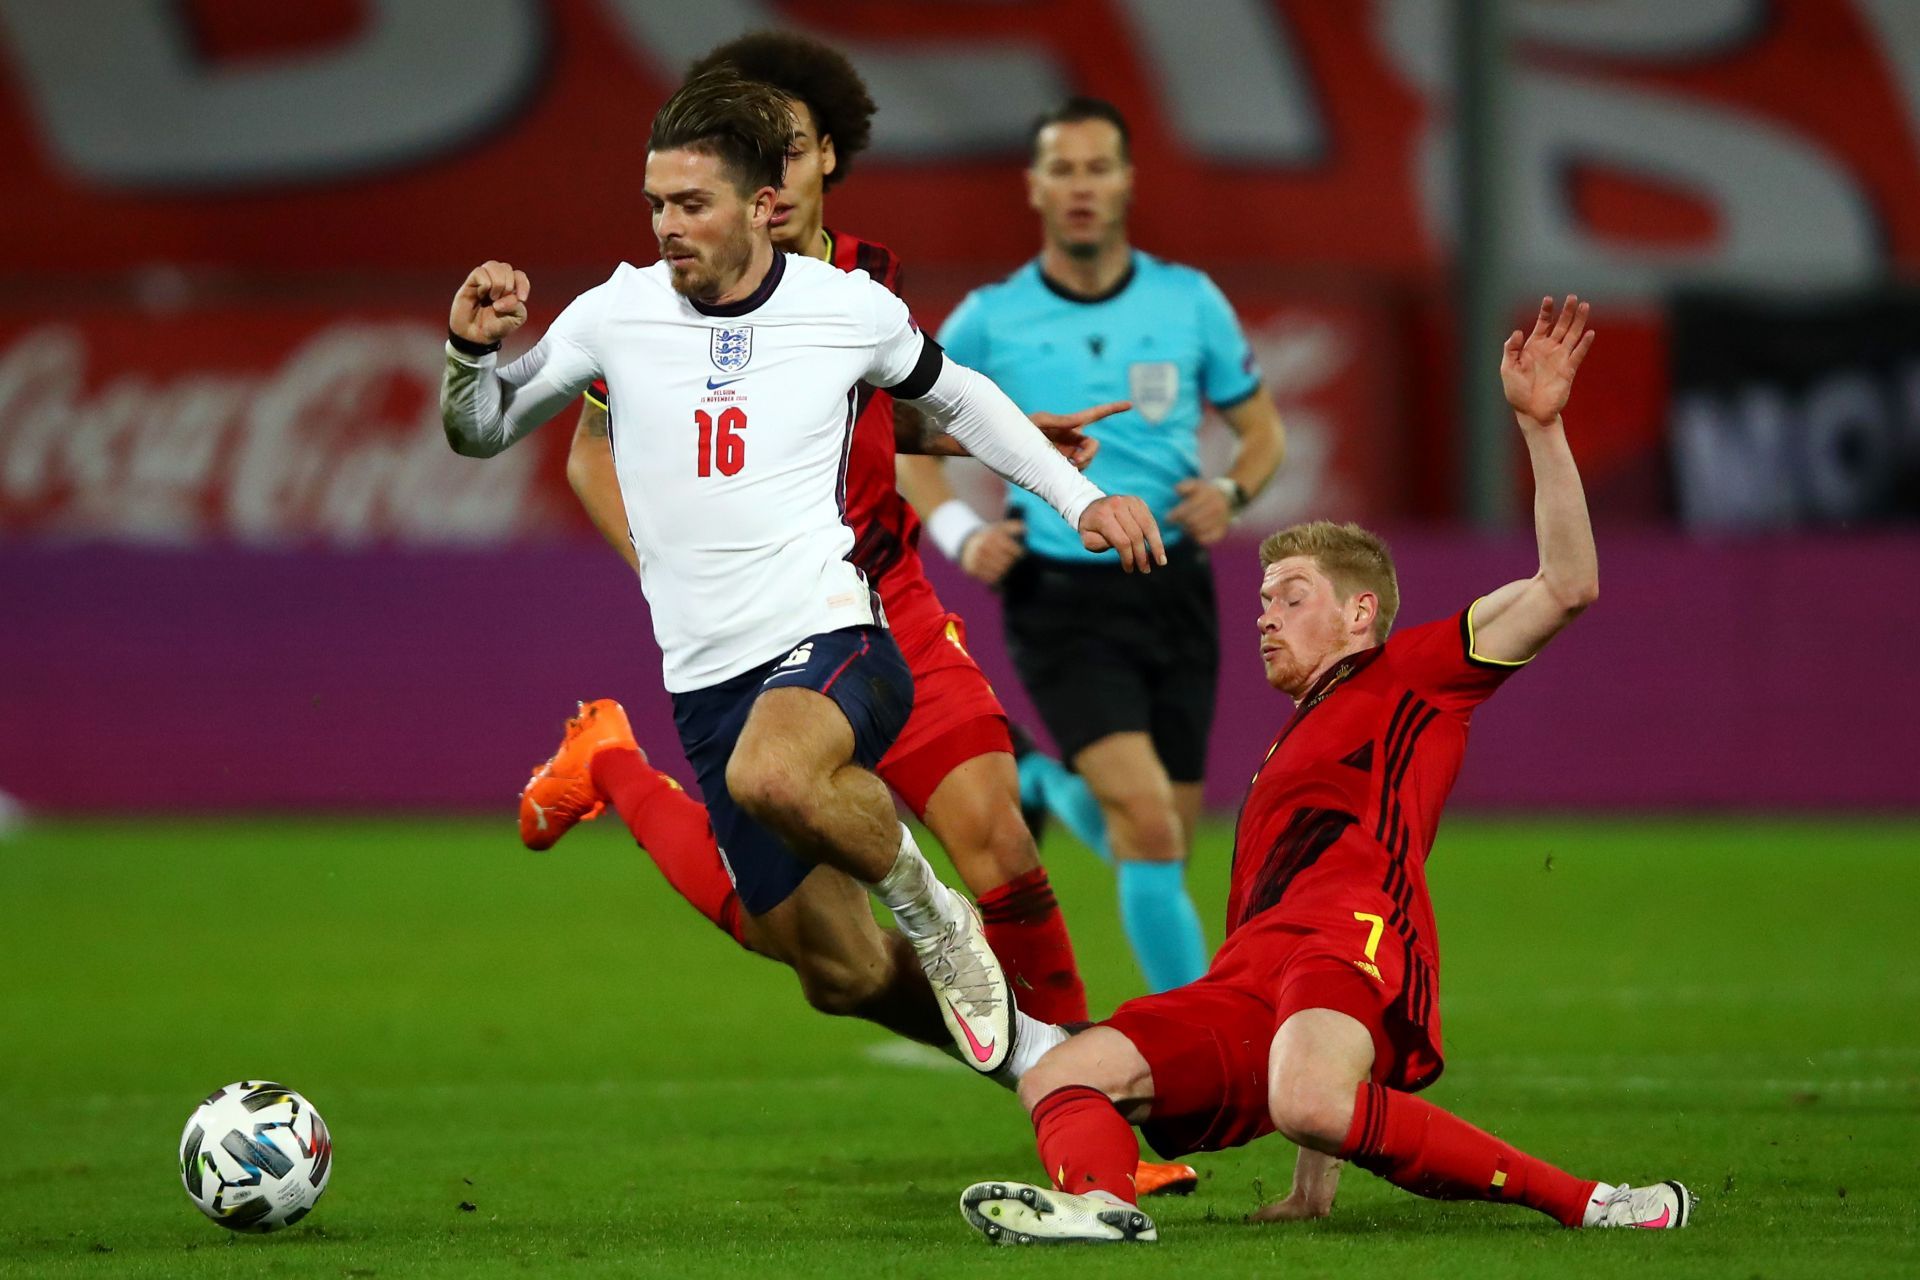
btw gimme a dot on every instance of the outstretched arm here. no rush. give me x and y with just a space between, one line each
916 435
596 482
1515 622
978 414
981 417
984 549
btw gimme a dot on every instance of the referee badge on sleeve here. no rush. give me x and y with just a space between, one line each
1153 386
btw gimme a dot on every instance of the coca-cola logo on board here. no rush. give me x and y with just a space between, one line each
333 438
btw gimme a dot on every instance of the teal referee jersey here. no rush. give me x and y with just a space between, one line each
1164 337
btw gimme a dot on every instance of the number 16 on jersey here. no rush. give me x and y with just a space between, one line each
721 447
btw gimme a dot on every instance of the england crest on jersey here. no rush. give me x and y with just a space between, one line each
1153 386
732 348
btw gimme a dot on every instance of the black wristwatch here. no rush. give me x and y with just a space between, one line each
1236 496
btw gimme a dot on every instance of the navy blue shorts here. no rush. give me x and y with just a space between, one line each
861 669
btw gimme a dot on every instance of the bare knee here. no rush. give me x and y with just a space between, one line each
1152 827
1136 797
1311 1109
1099 1058
1036 1085
778 793
975 811
993 849
1317 1061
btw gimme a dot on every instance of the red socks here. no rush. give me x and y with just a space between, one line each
1085 1144
674 830
1026 930
1420 1148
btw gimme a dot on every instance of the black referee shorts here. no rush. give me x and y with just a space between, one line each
1102 651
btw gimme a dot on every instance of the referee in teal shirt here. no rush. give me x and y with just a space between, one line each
1122 668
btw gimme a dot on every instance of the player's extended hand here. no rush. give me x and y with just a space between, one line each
1203 511
1127 526
1537 372
1065 430
1295 1208
992 549
491 304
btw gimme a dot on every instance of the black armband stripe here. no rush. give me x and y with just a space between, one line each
468 347
925 373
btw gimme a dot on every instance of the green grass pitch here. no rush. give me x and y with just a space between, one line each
547 1064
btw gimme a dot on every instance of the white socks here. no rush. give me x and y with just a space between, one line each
922 906
1030 1044
919 902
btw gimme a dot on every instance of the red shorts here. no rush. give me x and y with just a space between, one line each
956 716
1207 1043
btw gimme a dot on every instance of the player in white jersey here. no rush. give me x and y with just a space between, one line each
736 369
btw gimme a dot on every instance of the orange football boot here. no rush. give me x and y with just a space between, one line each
1152 1179
561 791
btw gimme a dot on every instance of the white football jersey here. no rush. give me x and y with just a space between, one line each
731 431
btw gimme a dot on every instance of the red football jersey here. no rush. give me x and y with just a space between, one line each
885 529
1350 793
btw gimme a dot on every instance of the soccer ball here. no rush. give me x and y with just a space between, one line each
255 1156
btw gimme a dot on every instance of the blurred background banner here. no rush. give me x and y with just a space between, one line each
214 171
1796 410
232 229
1649 140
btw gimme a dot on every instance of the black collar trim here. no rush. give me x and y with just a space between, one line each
753 301
1088 299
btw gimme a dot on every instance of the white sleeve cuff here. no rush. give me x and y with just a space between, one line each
485 360
951 524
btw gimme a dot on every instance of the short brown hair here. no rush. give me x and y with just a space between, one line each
745 124
1353 559
1078 110
815 73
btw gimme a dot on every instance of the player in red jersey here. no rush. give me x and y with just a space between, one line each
953 762
1319 1017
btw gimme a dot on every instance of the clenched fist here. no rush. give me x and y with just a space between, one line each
491 304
